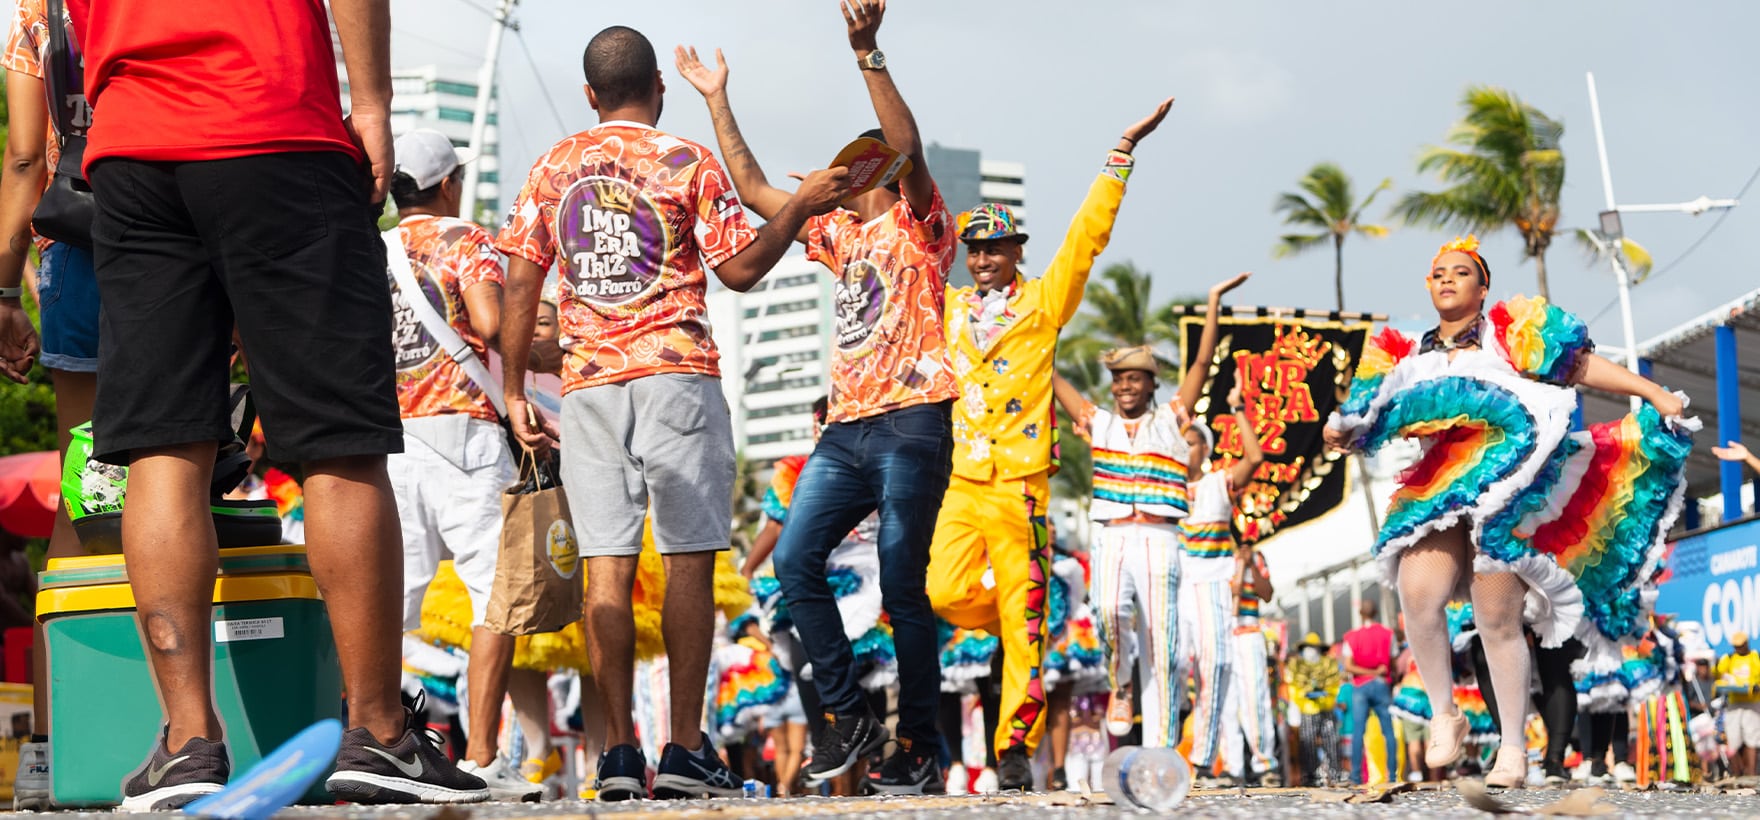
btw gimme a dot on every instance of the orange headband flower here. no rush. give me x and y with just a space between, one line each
1468 246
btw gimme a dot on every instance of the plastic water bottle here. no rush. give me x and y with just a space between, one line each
757 788
1153 779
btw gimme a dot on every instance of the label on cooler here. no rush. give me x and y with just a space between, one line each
248 629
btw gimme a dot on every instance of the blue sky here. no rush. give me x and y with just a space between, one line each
1264 91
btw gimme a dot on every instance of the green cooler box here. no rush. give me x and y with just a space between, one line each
275 667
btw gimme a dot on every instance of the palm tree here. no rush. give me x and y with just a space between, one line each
1330 208
1506 170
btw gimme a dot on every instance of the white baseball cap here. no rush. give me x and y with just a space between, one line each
428 156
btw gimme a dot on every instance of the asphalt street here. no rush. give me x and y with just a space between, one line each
1428 801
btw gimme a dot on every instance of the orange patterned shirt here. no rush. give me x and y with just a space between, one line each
448 257
888 345
634 213
27 51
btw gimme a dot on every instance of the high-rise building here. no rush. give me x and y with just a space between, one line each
775 349
443 99
966 180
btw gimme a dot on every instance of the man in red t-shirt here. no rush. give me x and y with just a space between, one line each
1368 653
230 190
889 444
630 215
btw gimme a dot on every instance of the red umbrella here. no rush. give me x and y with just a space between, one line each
30 489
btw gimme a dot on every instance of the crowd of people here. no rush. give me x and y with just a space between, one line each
906 568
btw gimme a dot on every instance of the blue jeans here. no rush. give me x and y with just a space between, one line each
67 294
1372 695
897 462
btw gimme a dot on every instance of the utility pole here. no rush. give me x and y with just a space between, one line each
480 117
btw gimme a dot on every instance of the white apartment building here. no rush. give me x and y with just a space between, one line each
444 99
1004 183
775 353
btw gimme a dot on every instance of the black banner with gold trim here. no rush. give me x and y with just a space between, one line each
1293 372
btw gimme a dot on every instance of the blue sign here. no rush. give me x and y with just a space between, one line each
1715 580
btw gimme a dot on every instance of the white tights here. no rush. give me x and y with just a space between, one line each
1430 573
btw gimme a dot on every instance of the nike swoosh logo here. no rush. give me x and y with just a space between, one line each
413 768
158 774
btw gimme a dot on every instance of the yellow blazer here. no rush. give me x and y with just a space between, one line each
1002 419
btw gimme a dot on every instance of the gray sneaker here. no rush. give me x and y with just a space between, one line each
30 790
167 782
412 770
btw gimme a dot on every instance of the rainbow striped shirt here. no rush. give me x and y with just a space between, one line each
1209 539
1247 613
1141 472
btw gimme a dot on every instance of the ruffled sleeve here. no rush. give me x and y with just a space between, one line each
781 489
1541 340
1383 353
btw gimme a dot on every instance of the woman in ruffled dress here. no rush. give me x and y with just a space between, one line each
1558 528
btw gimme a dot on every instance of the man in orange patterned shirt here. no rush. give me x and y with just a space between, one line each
455 461
890 442
630 214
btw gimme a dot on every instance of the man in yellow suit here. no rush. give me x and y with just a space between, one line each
990 562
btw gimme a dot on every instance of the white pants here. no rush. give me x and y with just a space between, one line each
1249 704
1206 610
1135 588
446 508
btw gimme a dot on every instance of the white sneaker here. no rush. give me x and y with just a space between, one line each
505 784
958 779
986 782
1624 773
30 791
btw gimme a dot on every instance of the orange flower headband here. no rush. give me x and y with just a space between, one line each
1468 246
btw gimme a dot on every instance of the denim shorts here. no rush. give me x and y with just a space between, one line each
67 294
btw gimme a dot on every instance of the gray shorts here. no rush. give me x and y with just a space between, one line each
662 442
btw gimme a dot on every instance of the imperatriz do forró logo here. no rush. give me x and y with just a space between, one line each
565 554
614 238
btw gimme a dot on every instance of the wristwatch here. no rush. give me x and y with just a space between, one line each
873 61
11 293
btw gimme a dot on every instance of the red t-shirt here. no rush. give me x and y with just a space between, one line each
209 79
1370 645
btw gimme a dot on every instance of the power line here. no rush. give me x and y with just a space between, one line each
435 43
480 9
1709 230
561 127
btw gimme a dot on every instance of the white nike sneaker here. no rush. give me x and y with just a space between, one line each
986 782
505 784
30 790
1624 773
958 779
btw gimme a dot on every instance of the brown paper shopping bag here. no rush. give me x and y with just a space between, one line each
538 576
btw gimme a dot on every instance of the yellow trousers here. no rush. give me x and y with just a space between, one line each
990 569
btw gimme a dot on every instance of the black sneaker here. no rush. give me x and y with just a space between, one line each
623 774
910 771
167 782
1555 773
685 774
1057 781
1014 771
841 742
412 770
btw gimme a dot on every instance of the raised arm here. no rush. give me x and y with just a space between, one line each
820 192
1193 383
1075 405
1066 277
762 546
862 18
748 177
1252 455
1601 374
1737 452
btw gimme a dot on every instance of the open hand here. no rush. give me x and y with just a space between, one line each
862 17
1234 397
1147 125
1220 288
1734 451
821 191
18 342
706 80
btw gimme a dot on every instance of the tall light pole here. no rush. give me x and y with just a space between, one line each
1613 231
480 116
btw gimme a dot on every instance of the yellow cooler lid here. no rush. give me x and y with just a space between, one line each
100 582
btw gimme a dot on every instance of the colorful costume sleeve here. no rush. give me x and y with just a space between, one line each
1541 340
781 490
749 682
1066 277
